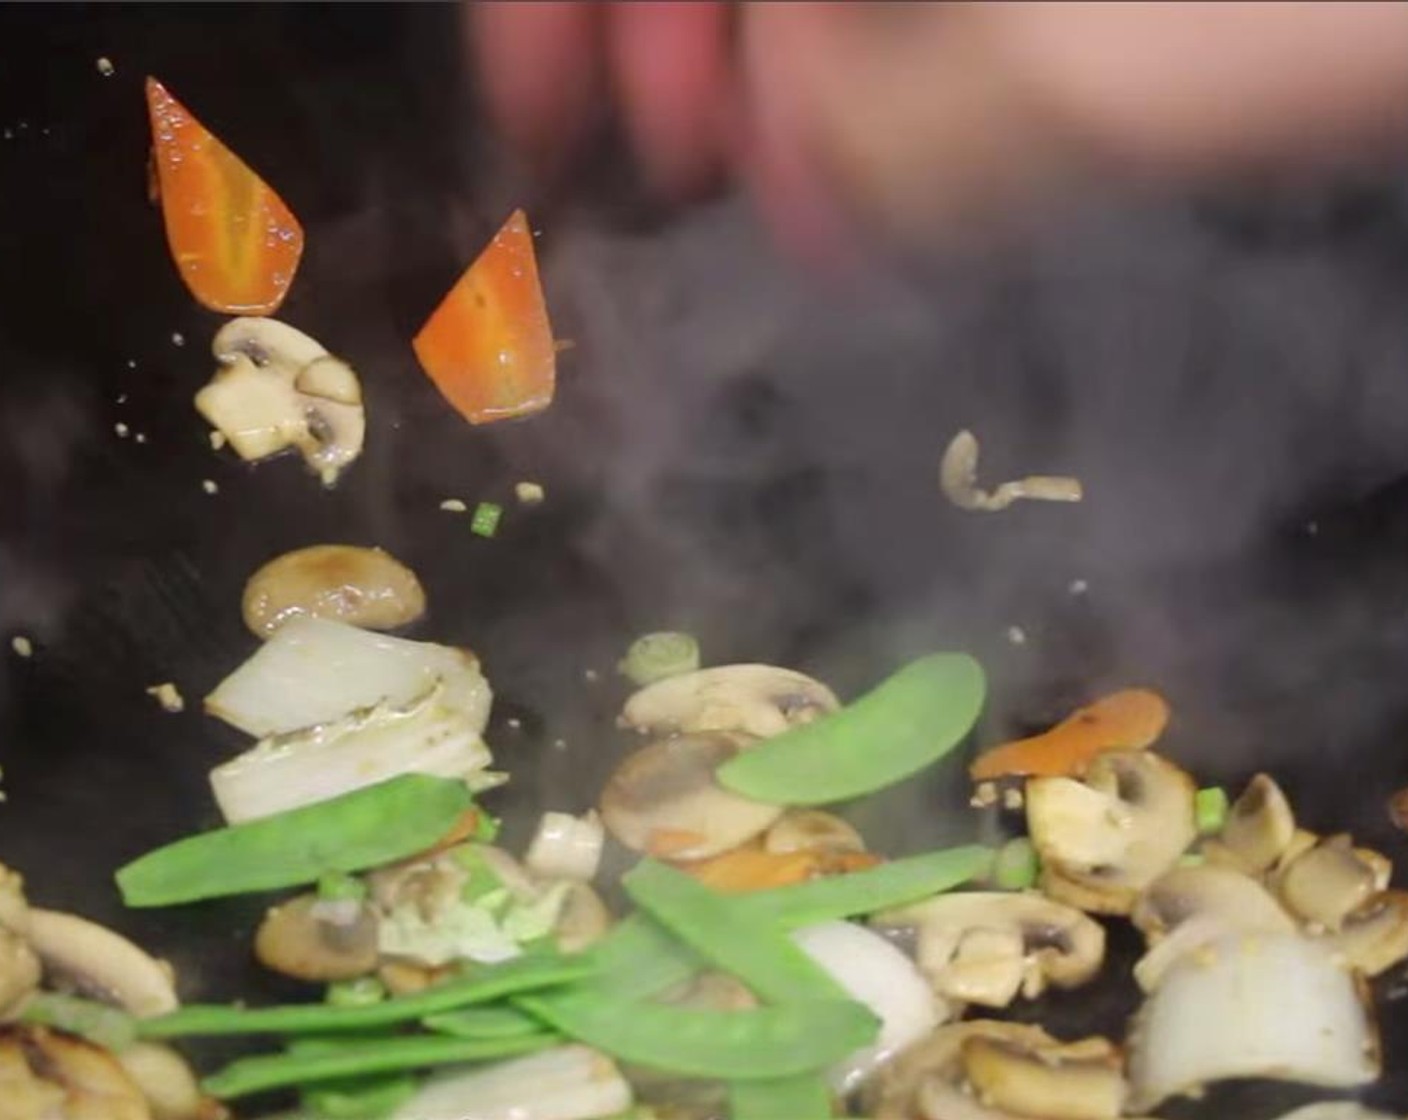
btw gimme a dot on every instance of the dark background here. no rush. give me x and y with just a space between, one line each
735 450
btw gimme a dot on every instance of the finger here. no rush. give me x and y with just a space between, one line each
539 67
670 64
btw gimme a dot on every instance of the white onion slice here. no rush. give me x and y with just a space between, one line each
566 847
314 671
1252 1005
873 972
1337 1110
282 773
565 1083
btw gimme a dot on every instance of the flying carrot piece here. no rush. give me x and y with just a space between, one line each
235 242
488 347
1130 719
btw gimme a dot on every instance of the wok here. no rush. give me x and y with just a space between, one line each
734 451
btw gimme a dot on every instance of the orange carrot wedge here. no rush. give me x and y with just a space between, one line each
234 241
488 347
1131 719
754 869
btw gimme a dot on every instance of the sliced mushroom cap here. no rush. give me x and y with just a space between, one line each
266 342
812 830
1323 885
101 962
1189 908
983 947
14 910
1374 937
1104 839
168 1084
46 1073
312 939
361 586
758 700
932 1079
1260 827
276 388
1080 1081
663 799
20 971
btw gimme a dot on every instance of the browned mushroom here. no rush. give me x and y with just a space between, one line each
1324 884
812 830
319 940
46 1073
663 799
1374 937
757 700
1260 827
361 586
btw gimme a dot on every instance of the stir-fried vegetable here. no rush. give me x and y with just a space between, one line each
767 1042
366 828
488 347
753 869
1016 867
906 723
1210 809
1130 719
482 1022
235 242
392 1055
361 1098
481 986
804 1097
653 657
98 1022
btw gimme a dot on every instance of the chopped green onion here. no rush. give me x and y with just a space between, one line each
338 886
485 522
109 1027
1016 867
361 992
1210 810
653 657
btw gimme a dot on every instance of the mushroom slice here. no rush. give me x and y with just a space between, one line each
1260 827
1103 839
167 1082
958 478
812 830
1337 1110
14 909
758 700
1189 908
663 799
312 939
277 388
583 921
931 1079
1374 937
361 586
101 962
1081 1081
1272 1006
69 1078
1323 885
983 946
266 342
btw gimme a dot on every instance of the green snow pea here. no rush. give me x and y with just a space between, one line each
368 827
901 726
359 1098
767 1042
482 1022
281 1071
484 985
804 1097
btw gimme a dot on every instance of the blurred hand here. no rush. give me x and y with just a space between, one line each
911 118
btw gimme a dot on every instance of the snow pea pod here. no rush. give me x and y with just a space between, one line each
749 946
904 724
360 1098
766 1042
484 985
281 1071
790 1098
369 827
482 1022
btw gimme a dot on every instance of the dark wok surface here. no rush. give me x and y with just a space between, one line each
732 452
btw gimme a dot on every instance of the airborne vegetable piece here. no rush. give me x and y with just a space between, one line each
235 242
1130 719
366 828
488 347
903 725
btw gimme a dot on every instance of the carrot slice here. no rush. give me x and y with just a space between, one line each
1130 719
754 869
234 241
488 347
